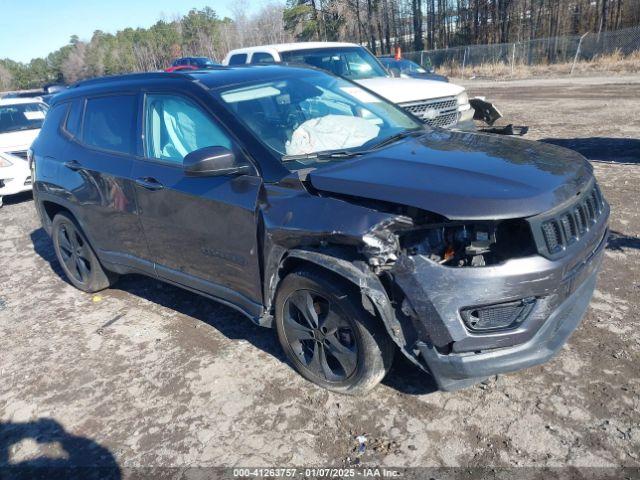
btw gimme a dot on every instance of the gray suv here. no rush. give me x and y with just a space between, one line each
316 207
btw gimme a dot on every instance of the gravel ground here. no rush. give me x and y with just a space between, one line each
147 375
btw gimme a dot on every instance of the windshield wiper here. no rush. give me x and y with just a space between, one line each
397 136
330 154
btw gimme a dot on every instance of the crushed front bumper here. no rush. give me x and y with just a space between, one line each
454 371
456 355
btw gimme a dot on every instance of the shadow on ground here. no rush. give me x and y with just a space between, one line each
620 242
43 246
404 376
622 150
43 449
17 198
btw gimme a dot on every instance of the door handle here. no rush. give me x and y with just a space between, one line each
73 165
149 183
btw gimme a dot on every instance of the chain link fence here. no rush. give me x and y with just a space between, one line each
543 51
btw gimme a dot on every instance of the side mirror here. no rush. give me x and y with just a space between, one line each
213 162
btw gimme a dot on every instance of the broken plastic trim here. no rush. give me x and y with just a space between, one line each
518 130
381 245
485 111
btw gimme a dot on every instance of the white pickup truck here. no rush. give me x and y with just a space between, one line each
20 122
438 104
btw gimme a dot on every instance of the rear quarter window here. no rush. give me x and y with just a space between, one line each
72 125
238 59
110 123
54 118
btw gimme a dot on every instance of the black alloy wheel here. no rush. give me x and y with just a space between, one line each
328 335
76 256
75 253
320 336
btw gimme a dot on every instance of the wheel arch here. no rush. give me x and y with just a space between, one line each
47 210
374 296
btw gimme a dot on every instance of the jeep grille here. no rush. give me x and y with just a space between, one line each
570 225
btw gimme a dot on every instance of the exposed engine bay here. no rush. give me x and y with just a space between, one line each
478 244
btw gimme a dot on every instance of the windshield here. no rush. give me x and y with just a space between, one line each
22 116
405 66
412 67
315 113
203 62
354 63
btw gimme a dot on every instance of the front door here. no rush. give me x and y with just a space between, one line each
202 231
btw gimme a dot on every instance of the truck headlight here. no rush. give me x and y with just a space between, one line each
4 162
463 102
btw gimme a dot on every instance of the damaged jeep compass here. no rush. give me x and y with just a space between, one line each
316 207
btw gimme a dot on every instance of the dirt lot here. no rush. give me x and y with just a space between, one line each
148 375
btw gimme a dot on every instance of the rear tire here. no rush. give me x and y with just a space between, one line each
76 256
327 335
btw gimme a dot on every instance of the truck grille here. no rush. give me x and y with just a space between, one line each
440 112
21 154
570 225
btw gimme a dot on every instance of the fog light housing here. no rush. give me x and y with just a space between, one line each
501 316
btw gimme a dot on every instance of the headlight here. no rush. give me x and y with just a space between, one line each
4 162
463 102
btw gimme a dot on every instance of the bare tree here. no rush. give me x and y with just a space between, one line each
6 79
74 68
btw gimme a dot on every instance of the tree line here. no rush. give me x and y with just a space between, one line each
434 24
201 32
380 24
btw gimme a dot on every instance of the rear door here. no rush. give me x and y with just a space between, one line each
202 231
100 159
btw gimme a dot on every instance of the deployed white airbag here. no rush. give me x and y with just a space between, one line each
330 132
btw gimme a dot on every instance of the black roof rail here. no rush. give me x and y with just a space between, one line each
128 76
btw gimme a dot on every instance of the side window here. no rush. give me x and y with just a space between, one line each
176 126
75 116
110 123
238 59
262 57
54 118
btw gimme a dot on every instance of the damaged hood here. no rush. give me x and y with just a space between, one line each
462 176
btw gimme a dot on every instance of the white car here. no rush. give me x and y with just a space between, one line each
436 103
15 176
20 122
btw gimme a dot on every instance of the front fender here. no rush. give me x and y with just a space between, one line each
374 296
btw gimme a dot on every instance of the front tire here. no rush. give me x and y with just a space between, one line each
328 336
76 257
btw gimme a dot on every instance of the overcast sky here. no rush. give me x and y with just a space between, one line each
35 28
